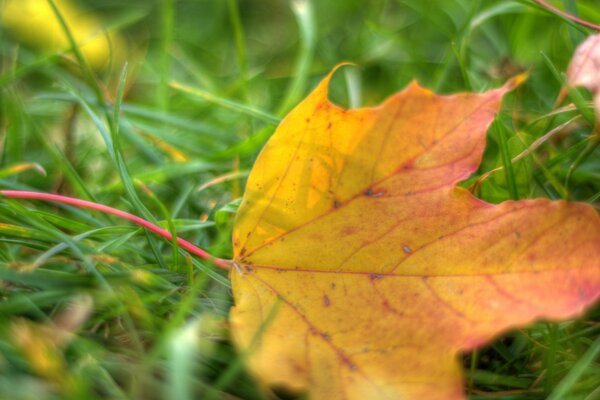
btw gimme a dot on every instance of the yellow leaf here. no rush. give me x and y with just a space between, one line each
34 23
384 269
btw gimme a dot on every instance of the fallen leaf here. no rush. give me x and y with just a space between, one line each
33 22
382 269
584 68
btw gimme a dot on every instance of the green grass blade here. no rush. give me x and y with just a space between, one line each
500 131
577 371
240 44
303 11
225 103
167 17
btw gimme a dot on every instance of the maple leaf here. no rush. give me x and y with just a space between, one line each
381 269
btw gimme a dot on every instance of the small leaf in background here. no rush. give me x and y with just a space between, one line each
43 344
33 22
21 167
584 69
385 270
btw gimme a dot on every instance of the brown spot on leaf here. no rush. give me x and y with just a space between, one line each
348 230
349 364
317 237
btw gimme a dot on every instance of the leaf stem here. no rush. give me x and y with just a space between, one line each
567 15
21 194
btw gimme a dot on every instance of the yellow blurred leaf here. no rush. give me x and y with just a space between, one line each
21 167
33 22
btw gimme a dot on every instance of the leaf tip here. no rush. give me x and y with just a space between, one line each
324 84
516 81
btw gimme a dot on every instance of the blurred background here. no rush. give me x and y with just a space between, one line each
161 107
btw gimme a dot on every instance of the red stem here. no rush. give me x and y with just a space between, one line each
19 194
567 15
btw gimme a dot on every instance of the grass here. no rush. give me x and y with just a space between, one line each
93 307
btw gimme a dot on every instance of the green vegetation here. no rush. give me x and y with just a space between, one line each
94 307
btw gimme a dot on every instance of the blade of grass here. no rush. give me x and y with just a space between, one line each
225 103
462 66
490 378
96 373
575 35
353 85
29 125
15 73
594 198
550 357
593 143
123 171
167 18
118 158
531 148
89 266
186 305
44 257
576 372
170 119
170 225
240 45
505 7
574 93
500 130
303 11
248 146
96 119
461 36
20 303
